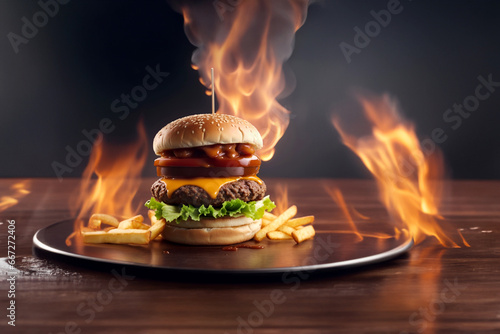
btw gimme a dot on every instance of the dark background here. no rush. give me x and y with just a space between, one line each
65 78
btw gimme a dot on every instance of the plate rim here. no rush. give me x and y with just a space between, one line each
362 261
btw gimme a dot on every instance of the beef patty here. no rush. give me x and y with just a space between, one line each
246 190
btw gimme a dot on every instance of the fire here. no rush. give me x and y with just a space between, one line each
247 50
281 199
111 180
18 190
409 181
351 215
336 195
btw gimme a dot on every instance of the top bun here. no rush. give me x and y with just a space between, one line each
206 129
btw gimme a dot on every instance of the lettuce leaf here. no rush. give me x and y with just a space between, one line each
233 208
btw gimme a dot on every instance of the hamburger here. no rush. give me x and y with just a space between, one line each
208 191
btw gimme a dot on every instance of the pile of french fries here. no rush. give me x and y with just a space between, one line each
106 229
129 231
286 227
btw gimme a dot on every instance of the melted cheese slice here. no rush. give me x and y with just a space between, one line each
210 185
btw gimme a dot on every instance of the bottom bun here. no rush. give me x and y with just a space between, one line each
212 235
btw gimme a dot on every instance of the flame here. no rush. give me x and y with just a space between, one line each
337 196
281 199
247 49
409 181
18 190
349 212
111 180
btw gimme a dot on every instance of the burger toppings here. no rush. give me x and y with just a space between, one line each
246 190
218 160
178 172
233 208
219 151
211 186
208 168
250 161
178 199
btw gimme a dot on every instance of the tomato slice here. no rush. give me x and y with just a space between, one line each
213 172
251 161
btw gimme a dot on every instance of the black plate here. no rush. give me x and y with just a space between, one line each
327 251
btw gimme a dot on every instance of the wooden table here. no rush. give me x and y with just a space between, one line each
430 289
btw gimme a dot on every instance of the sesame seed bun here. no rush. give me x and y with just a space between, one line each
212 222
206 129
214 235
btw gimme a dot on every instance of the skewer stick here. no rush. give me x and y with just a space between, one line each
213 92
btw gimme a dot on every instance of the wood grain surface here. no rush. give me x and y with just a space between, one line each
431 289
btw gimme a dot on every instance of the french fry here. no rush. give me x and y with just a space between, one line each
118 236
157 228
269 216
278 235
94 224
138 218
132 224
286 229
101 218
280 220
266 222
295 222
152 217
303 234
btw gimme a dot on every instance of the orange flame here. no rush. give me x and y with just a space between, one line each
337 196
350 213
118 170
19 190
281 199
247 50
409 182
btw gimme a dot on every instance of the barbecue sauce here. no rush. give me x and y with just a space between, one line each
230 151
208 167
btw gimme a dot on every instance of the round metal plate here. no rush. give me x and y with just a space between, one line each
327 251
